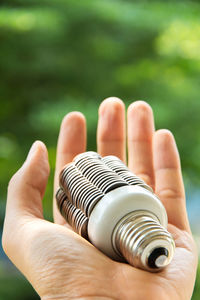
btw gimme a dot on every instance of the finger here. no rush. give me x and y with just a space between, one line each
169 182
24 202
140 135
111 128
71 141
27 186
25 192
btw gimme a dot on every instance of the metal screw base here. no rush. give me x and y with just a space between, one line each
143 242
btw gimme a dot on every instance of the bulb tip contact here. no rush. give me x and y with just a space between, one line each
159 258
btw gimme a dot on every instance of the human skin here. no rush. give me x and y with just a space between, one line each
61 264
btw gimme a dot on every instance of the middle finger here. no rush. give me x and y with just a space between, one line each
140 136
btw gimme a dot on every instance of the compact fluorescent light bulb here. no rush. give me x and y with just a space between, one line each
115 210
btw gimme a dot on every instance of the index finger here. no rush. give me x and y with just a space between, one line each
71 141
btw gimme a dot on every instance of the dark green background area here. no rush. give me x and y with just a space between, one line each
64 55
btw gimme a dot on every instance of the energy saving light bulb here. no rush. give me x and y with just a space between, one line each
115 210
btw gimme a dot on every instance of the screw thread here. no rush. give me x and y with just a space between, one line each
143 242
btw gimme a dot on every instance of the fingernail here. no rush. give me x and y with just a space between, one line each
110 107
32 150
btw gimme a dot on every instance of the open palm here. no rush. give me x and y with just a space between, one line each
62 265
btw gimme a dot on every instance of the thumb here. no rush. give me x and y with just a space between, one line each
24 203
26 188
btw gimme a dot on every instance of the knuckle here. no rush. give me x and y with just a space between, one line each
169 193
13 181
147 178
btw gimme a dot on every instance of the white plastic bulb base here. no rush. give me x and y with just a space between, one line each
129 224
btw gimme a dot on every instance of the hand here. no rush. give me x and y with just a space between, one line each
61 264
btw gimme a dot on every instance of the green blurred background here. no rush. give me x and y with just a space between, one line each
64 55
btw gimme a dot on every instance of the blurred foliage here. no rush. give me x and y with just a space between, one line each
63 55
16 287
196 294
